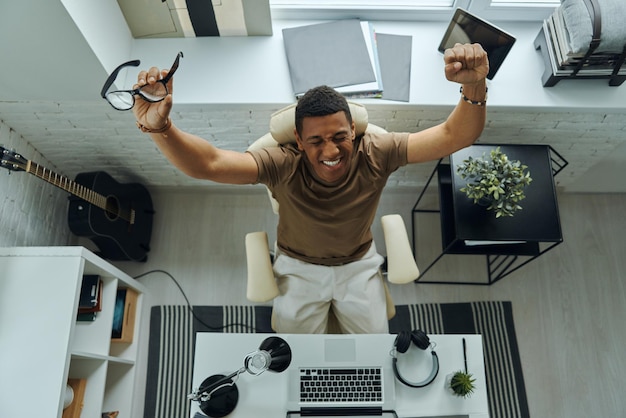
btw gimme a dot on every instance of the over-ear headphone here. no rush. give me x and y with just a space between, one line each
401 345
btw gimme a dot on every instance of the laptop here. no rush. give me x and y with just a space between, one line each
341 375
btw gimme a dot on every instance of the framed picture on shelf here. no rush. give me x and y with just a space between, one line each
124 316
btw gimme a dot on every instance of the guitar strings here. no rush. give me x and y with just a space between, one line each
193 313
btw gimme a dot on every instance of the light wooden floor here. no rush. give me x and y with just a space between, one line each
569 305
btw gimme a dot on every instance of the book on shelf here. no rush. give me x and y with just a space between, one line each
565 60
90 301
86 316
89 290
97 307
341 54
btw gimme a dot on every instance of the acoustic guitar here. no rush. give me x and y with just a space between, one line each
116 217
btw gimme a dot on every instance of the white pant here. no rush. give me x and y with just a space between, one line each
307 291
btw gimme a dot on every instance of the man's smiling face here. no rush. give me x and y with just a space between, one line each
328 143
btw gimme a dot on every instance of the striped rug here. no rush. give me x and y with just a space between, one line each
173 329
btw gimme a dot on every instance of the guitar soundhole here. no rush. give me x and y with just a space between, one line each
112 208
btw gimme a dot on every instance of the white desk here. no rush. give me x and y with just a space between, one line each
265 395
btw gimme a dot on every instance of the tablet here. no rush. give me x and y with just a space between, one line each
467 28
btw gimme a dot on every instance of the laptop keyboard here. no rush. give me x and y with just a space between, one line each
341 385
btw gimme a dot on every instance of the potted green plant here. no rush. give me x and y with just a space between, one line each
462 384
495 181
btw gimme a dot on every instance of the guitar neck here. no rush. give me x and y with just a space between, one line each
68 185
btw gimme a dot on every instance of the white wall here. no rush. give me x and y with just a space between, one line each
102 24
32 211
44 54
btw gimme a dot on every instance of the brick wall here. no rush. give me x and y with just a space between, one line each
92 136
32 211
583 139
81 137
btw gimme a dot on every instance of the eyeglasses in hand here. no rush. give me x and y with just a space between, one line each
125 99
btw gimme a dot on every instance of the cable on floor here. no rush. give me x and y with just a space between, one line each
212 328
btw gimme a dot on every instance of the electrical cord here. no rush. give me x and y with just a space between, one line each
210 327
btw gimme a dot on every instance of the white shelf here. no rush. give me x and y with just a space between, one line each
91 356
43 344
119 383
95 372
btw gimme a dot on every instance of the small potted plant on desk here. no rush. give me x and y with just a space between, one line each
495 181
462 384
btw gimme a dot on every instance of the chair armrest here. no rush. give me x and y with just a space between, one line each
262 285
391 307
401 266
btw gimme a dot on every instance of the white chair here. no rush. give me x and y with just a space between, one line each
262 286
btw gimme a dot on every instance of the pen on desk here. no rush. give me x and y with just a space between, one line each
465 355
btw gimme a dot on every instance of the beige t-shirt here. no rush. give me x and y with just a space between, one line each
323 224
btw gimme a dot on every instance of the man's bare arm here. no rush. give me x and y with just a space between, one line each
468 65
200 159
193 155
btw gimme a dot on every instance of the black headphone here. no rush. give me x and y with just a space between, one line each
402 344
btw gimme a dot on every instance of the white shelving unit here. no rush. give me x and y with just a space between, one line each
42 344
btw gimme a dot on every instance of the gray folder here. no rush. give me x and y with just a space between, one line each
335 54
394 54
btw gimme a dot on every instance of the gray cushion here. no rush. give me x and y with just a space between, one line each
580 25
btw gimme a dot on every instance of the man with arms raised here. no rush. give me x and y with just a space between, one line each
328 186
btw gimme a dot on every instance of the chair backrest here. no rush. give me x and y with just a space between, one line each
283 124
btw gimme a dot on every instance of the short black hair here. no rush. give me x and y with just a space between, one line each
321 101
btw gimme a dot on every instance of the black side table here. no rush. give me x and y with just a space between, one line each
507 242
